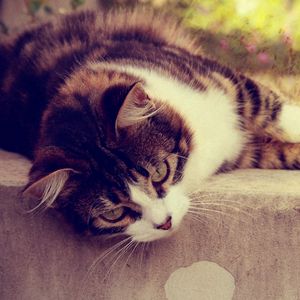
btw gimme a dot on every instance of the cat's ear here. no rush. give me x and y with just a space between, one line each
44 192
136 108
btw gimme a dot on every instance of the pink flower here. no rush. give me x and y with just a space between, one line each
263 57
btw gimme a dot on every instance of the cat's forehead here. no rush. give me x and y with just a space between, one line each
158 136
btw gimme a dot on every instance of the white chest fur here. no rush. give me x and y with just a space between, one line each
210 114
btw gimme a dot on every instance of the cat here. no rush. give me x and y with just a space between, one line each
123 117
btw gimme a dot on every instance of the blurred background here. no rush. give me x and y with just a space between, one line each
250 35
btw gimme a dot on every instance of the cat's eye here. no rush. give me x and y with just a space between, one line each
161 173
113 215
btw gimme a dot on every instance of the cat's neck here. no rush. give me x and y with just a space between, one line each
210 114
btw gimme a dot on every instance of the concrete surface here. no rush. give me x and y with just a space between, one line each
251 250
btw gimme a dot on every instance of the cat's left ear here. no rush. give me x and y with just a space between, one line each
136 108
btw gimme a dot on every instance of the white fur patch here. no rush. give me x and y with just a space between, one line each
289 122
155 212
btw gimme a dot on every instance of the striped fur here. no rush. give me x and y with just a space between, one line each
116 98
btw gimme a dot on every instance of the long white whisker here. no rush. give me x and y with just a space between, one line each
132 251
198 216
199 197
118 256
82 286
208 210
236 209
110 250
200 201
142 254
204 214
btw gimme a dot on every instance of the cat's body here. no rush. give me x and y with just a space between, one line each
124 117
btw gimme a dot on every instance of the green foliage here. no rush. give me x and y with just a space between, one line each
263 20
34 6
264 35
76 3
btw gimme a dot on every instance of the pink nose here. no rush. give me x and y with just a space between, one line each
167 225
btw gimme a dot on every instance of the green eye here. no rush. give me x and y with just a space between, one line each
161 173
113 215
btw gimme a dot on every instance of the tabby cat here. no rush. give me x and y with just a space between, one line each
124 117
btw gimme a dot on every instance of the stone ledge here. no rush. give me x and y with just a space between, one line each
254 246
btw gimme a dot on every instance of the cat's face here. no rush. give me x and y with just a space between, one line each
135 186
147 200
159 150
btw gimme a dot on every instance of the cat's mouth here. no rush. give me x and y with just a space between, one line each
143 231
167 225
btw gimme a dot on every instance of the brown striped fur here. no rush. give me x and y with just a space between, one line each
61 113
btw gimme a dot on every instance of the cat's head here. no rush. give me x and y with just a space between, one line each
115 165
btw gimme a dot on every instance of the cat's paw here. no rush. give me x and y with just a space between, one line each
289 123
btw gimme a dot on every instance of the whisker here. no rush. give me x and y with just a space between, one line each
204 214
114 247
226 206
199 217
209 195
131 253
232 217
142 254
121 252
209 210
200 201
103 256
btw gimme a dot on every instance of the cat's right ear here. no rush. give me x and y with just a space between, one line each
136 108
43 192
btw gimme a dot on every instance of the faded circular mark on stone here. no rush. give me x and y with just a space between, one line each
203 280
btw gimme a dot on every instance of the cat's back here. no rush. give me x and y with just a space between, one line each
62 44
91 29
37 61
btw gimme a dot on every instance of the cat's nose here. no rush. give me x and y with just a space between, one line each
167 225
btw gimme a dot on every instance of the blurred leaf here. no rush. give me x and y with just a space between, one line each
34 6
77 3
